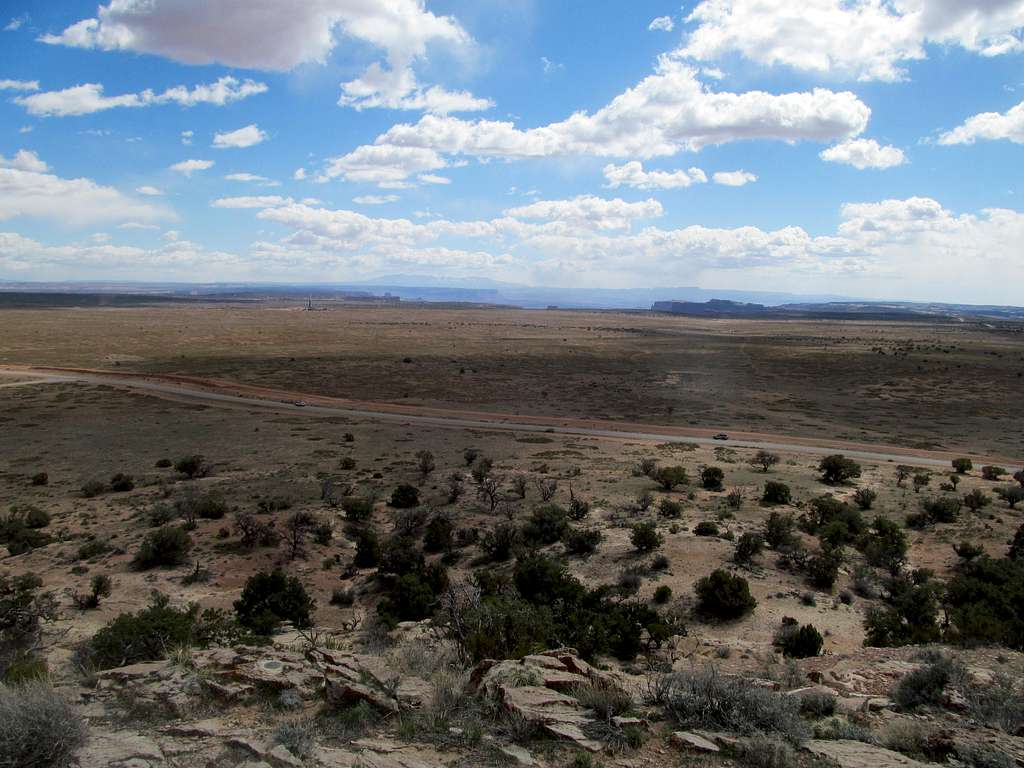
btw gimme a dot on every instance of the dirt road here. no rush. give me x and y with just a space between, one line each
231 394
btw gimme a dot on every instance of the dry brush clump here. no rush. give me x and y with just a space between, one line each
705 698
38 729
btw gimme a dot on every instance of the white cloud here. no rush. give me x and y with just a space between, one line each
398 89
991 126
252 178
149 191
862 39
662 24
88 98
864 153
25 160
384 164
374 199
589 211
668 112
16 23
285 34
550 66
180 260
632 174
300 174
433 178
248 136
258 201
734 178
26 190
281 36
137 225
186 138
188 167
19 85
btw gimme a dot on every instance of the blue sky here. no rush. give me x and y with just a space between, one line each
861 147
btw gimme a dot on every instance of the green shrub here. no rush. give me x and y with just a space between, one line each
776 493
837 469
367 549
779 530
748 547
501 542
864 498
962 466
992 472
669 477
1011 494
166 546
885 546
983 602
976 500
357 508
798 641
207 506
192 466
711 478
440 534
645 537
823 567
546 525
662 594
34 517
164 463
705 528
411 597
40 478
347 463
725 596
92 549
99 588
152 632
844 523
38 728
93 488
578 508
670 509
582 541
926 685
271 598
909 618
122 483
405 496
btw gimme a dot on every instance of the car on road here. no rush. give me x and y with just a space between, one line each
299 403
720 436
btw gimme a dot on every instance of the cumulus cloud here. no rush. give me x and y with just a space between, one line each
149 191
188 167
862 39
284 35
662 24
24 160
991 126
28 191
864 153
734 178
588 210
386 165
433 178
632 174
248 136
89 98
281 36
19 85
668 112
398 88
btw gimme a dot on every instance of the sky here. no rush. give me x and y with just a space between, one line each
869 148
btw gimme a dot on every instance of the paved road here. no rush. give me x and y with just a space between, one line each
182 391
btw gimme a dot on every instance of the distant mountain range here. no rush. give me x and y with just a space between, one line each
691 301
